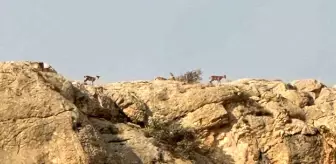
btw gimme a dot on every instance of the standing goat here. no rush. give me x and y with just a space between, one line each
90 78
217 78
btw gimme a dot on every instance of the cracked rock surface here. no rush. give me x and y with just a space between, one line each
44 118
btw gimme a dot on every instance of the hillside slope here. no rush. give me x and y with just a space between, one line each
44 118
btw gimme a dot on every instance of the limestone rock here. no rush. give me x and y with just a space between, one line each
327 95
35 118
45 118
308 85
132 106
300 99
206 117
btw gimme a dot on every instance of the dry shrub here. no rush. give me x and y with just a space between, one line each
180 141
190 77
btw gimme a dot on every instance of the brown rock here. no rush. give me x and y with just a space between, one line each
300 99
35 119
308 85
327 95
208 116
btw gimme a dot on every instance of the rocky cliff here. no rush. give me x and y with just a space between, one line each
45 118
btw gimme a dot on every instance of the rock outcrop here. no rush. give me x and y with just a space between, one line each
45 118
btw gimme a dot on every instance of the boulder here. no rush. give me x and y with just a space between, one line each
308 85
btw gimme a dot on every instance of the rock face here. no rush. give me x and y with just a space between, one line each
45 118
35 117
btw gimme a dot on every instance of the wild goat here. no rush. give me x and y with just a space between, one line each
217 78
90 78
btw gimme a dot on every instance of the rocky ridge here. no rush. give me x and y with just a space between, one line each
44 118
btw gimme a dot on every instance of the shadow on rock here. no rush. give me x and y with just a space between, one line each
183 143
96 130
117 149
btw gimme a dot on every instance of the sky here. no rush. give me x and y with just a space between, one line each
124 40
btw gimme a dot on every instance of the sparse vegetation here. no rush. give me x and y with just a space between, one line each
194 76
179 141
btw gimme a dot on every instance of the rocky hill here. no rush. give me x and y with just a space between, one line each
45 118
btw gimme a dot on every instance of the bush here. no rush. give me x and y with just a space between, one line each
193 76
179 141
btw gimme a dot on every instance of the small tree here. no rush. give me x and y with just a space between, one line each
193 76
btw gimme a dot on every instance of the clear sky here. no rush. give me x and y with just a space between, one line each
125 40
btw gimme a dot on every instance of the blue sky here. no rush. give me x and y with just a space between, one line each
140 39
